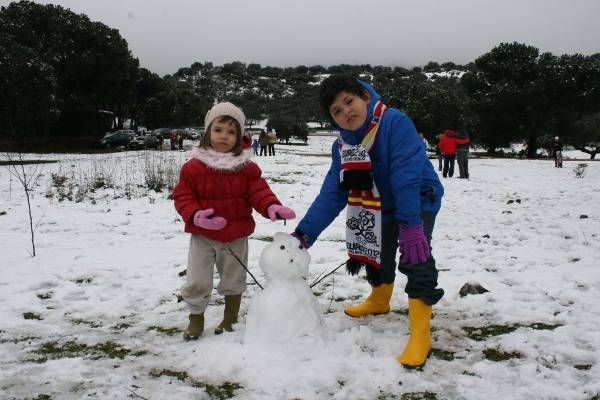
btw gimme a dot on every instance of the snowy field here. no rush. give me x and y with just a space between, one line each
95 313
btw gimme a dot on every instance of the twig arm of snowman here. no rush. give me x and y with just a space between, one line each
243 265
321 277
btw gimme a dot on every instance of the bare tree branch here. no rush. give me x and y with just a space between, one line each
28 180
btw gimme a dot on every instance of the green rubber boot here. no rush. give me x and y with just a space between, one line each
230 315
195 327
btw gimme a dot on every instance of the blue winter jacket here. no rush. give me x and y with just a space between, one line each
404 176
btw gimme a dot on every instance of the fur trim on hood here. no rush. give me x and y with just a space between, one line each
221 161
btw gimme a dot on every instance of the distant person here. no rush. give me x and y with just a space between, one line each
448 142
271 140
557 152
462 153
262 142
438 153
173 139
180 136
447 147
255 146
220 221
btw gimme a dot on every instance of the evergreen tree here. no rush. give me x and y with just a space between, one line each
27 95
91 63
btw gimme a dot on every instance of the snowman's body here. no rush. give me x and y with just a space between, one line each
286 308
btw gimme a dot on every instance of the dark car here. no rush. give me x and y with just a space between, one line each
162 133
148 141
193 134
115 139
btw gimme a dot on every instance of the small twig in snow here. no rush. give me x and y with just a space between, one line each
137 395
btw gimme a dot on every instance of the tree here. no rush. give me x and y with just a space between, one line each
254 70
287 126
509 94
147 88
448 66
316 69
91 63
432 66
576 84
180 104
587 137
433 105
437 105
27 95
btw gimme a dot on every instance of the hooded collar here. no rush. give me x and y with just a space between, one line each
355 137
221 161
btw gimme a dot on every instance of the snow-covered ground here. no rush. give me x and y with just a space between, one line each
95 313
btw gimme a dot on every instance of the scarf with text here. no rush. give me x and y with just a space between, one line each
363 216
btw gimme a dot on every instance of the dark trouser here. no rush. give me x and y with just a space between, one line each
440 159
558 159
462 159
263 150
271 149
421 278
448 165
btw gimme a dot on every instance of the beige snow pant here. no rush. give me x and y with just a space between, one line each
203 255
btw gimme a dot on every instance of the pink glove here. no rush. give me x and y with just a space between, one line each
276 211
413 245
206 219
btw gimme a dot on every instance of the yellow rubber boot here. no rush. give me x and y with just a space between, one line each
418 347
378 302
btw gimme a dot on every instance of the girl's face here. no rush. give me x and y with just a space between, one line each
349 111
223 136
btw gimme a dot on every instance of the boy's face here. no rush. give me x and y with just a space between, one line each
223 136
349 111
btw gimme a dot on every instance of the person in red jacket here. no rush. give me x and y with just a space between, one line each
447 146
217 190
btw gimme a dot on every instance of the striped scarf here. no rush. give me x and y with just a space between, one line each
363 216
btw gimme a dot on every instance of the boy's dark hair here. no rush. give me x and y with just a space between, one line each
334 85
237 149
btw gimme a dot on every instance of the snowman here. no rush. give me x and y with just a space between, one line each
286 309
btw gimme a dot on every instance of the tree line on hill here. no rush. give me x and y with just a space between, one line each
65 79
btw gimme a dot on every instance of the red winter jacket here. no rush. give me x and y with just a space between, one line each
448 144
232 185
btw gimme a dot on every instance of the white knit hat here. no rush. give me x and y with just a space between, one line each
225 108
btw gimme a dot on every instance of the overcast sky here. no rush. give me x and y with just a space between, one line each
168 34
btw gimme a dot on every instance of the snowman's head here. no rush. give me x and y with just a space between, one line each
284 258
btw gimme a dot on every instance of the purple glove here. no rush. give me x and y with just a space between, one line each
302 238
413 245
276 211
206 219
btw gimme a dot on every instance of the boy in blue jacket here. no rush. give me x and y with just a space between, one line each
381 174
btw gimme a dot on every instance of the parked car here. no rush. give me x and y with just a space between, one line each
162 133
193 134
115 139
149 141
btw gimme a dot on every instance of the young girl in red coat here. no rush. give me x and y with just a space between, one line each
217 190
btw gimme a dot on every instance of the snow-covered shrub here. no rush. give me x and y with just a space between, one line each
579 170
160 172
